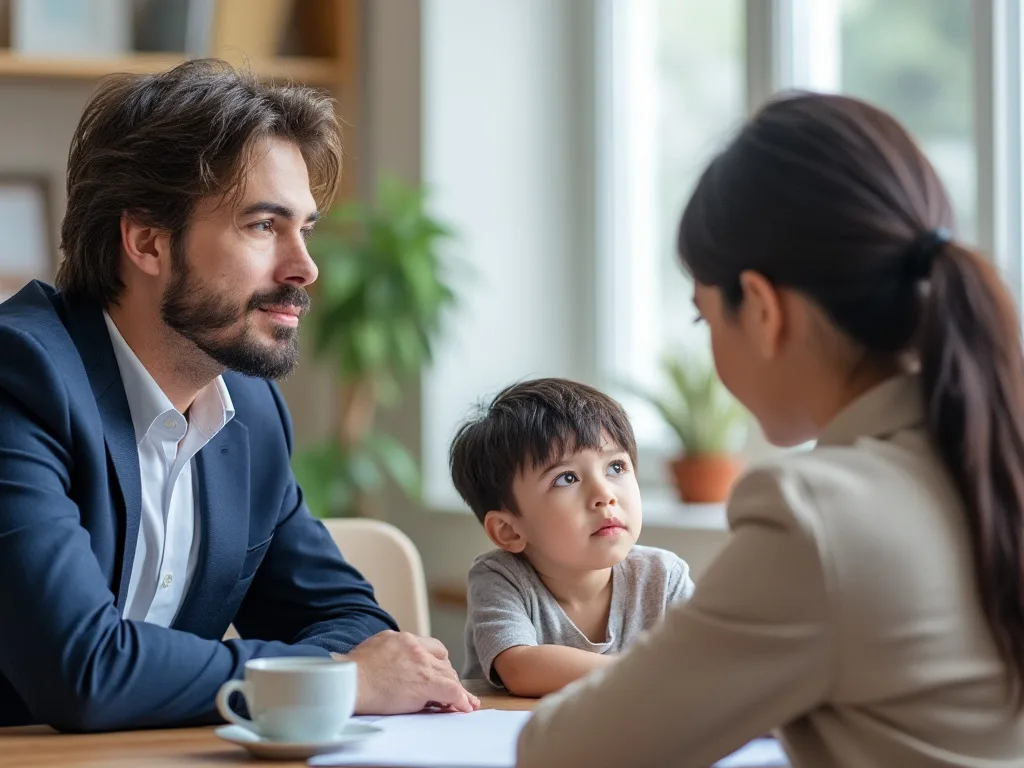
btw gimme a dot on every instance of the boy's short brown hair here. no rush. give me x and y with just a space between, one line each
526 425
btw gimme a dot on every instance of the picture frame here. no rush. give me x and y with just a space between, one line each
71 28
27 247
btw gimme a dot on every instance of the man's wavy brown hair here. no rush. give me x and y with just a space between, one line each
153 146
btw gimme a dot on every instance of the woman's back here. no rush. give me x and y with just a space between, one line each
916 677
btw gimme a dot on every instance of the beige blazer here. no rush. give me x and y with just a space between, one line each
842 611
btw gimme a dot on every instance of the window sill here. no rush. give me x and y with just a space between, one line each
664 511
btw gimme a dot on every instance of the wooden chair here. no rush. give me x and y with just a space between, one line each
389 560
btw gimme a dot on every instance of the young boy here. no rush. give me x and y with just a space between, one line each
548 469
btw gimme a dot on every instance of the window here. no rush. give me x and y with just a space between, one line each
676 91
685 74
699 53
912 59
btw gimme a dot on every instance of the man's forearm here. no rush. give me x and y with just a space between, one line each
538 670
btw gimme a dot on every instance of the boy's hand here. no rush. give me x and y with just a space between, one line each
400 672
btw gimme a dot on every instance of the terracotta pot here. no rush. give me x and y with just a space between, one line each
705 478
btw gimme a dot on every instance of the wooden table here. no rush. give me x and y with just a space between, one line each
193 747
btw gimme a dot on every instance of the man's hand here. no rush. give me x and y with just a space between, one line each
400 672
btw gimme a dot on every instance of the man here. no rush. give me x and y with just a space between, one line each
146 499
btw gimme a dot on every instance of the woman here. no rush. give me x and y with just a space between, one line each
870 600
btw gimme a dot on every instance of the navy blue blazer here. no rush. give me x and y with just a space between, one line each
70 505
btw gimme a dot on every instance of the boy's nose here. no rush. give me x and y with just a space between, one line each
604 495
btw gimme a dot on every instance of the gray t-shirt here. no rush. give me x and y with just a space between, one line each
509 606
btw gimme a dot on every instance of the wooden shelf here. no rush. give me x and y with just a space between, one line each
451 596
307 70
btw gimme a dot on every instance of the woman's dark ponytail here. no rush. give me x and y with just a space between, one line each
972 373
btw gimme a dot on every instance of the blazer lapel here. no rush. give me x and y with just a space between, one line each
89 332
223 482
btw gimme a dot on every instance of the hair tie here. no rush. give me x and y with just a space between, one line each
921 254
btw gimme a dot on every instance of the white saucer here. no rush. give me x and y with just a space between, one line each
289 750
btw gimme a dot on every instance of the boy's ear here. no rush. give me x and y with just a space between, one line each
503 529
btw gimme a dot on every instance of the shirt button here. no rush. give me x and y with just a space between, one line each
168 578
170 423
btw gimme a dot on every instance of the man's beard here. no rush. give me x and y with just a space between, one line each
201 316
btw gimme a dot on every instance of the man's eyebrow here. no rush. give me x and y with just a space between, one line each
278 210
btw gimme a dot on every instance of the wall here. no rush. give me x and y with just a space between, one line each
505 136
37 121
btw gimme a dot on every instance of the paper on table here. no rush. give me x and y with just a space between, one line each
759 753
483 739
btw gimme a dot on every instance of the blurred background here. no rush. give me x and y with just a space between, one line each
515 171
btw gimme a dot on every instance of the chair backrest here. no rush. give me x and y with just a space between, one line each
389 560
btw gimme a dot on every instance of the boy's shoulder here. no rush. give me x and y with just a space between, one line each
512 567
652 562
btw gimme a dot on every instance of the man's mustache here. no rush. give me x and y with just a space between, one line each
285 295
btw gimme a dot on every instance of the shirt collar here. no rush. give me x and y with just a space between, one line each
210 411
894 405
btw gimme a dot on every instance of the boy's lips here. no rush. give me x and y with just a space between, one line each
610 527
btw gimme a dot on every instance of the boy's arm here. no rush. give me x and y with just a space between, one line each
538 670
498 616
681 586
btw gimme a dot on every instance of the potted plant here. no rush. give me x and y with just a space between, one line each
376 315
711 426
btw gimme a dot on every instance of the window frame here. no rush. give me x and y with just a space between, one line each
780 55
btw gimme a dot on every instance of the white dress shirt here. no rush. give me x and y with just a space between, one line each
169 531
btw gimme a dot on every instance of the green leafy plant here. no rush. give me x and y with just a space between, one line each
698 408
377 313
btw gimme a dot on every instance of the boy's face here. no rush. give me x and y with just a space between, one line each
581 512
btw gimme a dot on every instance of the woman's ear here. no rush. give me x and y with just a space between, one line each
502 529
761 314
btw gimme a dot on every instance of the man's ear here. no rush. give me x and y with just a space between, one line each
148 248
502 528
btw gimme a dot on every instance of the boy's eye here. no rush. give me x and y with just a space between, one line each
566 479
263 226
617 468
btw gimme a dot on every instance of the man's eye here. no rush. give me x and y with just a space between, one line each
263 226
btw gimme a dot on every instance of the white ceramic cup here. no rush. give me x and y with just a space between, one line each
301 699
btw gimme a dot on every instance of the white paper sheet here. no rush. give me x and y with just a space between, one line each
760 753
484 739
